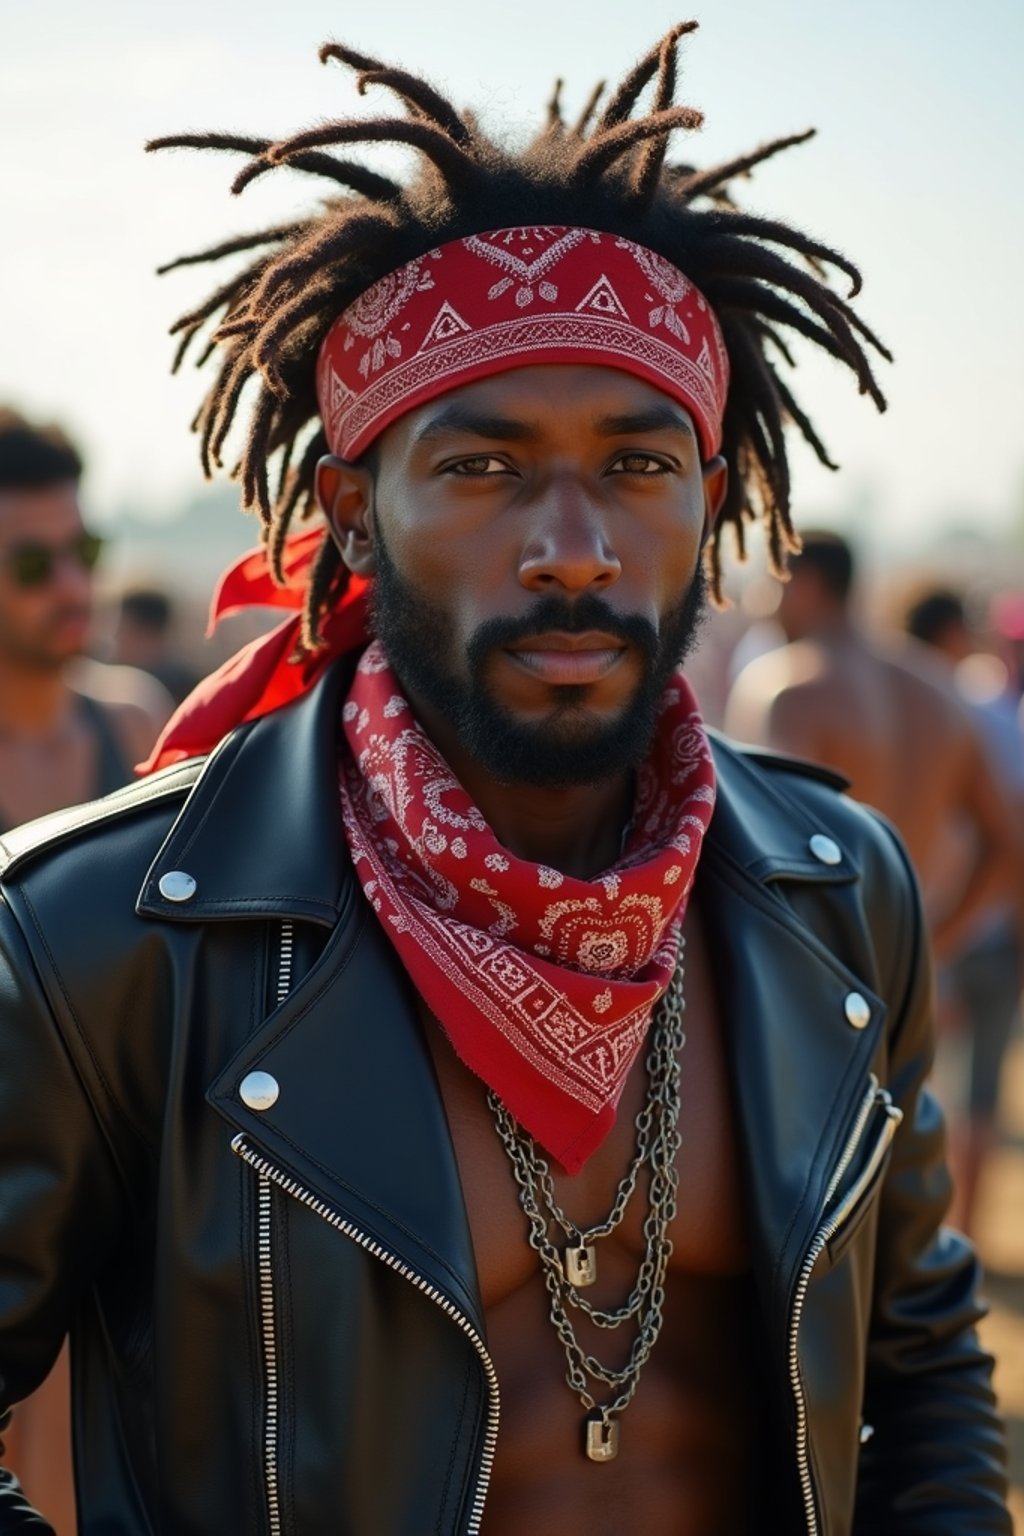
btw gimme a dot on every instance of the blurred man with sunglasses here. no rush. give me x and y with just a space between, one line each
59 744
67 734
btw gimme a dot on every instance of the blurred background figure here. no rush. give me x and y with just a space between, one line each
888 720
146 637
70 729
979 983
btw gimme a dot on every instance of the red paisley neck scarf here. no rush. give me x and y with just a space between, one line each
544 984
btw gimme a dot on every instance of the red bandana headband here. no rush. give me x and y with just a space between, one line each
509 299
469 309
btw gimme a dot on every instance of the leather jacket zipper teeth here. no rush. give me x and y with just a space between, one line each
867 1105
834 1220
285 961
266 1271
269 1175
265 1260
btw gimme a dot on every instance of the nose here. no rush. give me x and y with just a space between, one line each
71 579
568 544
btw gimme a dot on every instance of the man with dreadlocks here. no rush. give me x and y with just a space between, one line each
378 1183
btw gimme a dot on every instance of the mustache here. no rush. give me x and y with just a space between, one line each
557 613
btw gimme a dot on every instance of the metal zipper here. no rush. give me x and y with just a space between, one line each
265 1256
826 1231
867 1105
266 1270
285 960
273 1175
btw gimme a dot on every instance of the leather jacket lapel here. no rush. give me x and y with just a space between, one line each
799 1065
359 1123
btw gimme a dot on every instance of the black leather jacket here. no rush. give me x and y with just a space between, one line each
275 1319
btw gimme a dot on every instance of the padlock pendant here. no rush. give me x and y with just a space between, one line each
602 1442
581 1265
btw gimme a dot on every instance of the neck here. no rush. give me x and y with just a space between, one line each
835 620
34 701
576 830
830 628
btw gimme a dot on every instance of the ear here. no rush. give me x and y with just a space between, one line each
716 480
345 494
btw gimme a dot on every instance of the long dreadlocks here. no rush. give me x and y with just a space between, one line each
606 172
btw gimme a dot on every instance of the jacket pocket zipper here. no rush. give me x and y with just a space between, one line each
833 1220
268 1175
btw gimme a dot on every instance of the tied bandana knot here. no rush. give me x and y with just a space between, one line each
271 670
544 983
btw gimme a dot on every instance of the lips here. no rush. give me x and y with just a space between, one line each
567 659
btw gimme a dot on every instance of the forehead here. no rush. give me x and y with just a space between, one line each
47 513
549 397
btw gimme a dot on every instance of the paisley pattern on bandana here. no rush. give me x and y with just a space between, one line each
510 298
544 983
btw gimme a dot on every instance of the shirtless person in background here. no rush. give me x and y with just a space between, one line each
887 721
979 985
70 730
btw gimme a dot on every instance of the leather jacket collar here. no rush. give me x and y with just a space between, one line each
277 780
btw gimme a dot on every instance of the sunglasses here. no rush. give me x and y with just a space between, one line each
32 564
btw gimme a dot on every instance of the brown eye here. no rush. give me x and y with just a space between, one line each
480 464
641 464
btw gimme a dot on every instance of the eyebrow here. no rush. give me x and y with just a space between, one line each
656 418
506 429
456 418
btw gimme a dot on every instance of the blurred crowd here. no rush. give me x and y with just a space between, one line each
924 723
918 709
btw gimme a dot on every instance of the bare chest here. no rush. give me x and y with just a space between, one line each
686 1460
708 1230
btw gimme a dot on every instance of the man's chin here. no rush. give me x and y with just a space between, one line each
45 662
569 749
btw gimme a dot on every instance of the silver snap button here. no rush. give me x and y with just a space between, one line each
857 1010
177 885
825 849
258 1090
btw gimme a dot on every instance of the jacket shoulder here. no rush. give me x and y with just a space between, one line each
788 799
782 762
36 838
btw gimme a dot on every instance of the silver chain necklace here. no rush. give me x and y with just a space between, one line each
572 1268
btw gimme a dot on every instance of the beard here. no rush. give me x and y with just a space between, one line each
569 746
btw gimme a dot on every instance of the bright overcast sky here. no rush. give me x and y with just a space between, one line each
915 174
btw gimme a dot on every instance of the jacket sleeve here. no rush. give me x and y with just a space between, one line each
935 1461
61 1200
